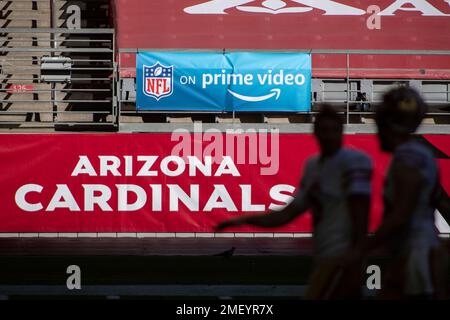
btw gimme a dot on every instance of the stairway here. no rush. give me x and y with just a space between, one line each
89 100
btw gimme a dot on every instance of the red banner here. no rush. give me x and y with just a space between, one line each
161 182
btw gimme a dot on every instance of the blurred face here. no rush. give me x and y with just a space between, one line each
329 135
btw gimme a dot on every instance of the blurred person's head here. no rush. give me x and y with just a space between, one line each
399 116
328 129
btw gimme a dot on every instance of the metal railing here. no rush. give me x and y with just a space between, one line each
342 91
89 96
99 93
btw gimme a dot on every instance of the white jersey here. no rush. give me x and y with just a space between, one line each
421 234
326 185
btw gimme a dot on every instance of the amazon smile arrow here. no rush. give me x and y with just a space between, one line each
275 92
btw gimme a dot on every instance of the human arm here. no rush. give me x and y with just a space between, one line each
272 219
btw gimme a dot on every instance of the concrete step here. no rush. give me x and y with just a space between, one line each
37 116
275 119
28 102
28 34
23 72
4 80
4 62
43 108
28 10
25 5
46 42
31 43
428 120
367 120
227 119
24 54
12 118
72 117
25 14
40 86
43 96
24 43
8 69
6 23
130 119
179 119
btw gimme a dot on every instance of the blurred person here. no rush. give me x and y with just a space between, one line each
336 186
363 104
412 192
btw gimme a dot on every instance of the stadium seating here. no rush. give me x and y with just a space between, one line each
87 98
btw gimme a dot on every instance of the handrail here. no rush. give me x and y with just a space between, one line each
58 30
315 51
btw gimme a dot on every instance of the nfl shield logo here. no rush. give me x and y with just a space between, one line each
158 81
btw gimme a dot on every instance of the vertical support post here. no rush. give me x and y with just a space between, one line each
53 46
119 89
114 99
348 88
53 21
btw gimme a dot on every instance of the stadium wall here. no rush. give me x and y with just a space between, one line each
296 25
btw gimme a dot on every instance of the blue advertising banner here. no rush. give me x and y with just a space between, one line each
235 81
